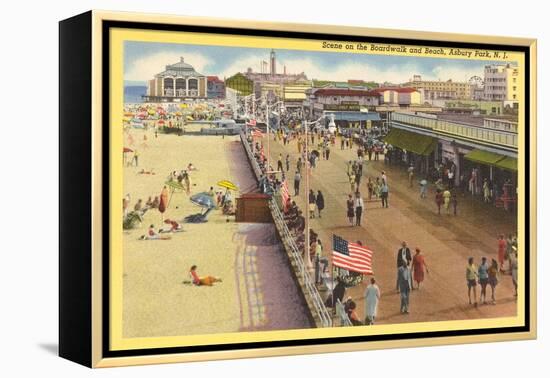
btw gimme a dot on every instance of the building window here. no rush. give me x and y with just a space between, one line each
193 84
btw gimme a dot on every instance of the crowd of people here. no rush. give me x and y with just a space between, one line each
411 268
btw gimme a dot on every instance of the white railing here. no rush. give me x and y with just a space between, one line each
501 137
290 245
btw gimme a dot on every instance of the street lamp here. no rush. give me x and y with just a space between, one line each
306 128
267 122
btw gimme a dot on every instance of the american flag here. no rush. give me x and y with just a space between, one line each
285 195
252 122
351 256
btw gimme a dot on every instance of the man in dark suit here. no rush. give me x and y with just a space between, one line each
403 256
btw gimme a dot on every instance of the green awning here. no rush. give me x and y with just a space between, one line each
508 163
483 157
412 142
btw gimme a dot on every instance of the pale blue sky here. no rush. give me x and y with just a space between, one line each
143 59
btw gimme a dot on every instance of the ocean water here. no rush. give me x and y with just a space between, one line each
133 93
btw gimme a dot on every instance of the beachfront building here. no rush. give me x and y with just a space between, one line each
179 81
474 147
215 87
399 96
441 90
501 84
349 107
474 107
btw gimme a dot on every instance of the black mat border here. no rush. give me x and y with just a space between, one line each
107 25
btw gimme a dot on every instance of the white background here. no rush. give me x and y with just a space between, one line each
29 186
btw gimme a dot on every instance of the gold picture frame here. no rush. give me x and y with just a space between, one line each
91 95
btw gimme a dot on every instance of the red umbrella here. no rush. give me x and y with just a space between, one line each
126 149
161 122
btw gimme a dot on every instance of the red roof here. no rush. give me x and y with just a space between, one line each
345 92
396 89
213 78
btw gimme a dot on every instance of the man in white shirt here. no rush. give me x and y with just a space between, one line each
358 208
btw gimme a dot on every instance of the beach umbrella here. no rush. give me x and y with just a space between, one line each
189 118
174 185
161 122
203 199
228 185
423 182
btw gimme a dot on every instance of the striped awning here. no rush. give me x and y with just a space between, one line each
411 142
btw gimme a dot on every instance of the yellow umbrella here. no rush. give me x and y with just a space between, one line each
189 118
228 185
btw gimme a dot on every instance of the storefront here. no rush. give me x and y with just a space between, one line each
413 149
499 170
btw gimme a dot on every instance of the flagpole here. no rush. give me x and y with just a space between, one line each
306 188
332 276
267 121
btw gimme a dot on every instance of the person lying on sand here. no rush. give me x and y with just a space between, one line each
201 281
173 226
153 235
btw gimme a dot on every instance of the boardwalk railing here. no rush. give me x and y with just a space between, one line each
315 302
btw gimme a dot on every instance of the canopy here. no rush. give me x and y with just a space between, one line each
228 185
354 116
409 141
483 157
203 200
508 163
494 159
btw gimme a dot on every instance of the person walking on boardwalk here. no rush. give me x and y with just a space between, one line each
418 267
501 250
311 203
403 283
351 209
299 165
471 280
423 188
483 274
358 208
327 151
486 191
447 201
280 163
403 255
494 273
352 182
372 297
320 201
514 269
287 162
410 171
297 178
384 193
454 202
370 187
438 200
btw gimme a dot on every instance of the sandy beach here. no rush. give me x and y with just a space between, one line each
257 291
